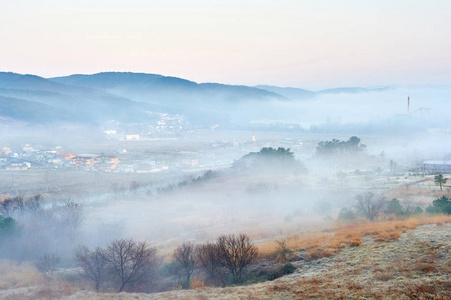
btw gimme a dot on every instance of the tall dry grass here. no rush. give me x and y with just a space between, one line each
13 275
328 241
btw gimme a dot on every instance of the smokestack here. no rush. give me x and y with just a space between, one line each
408 105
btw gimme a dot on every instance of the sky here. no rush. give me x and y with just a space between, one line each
310 44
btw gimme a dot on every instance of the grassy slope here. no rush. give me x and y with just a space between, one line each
413 264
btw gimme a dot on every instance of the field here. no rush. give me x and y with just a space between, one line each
398 257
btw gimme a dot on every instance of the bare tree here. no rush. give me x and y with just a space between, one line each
34 204
47 263
93 264
130 260
70 216
207 256
11 207
370 205
235 253
184 255
134 185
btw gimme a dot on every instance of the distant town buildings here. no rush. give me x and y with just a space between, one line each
437 165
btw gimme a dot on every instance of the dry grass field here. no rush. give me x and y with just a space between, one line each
401 259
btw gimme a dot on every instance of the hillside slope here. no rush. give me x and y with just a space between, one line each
414 267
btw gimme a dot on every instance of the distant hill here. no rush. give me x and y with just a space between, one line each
301 94
38 100
32 82
288 92
351 90
130 97
166 90
125 81
28 111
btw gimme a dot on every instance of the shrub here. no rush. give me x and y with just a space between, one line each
288 268
418 210
7 226
440 205
317 253
47 263
355 242
394 207
346 214
283 254
197 284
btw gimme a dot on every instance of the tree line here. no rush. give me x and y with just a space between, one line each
370 206
126 263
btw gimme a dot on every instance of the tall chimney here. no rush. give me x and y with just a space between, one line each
408 105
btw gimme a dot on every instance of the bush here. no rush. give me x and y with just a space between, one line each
418 210
288 268
283 254
394 207
197 284
346 214
7 226
440 205
47 263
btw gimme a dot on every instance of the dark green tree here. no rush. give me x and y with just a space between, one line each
7 226
440 205
394 207
440 180
271 159
338 147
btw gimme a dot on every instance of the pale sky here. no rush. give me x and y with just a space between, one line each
308 44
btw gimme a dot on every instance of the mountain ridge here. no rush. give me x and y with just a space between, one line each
129 97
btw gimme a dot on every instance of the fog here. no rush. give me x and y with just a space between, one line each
184 163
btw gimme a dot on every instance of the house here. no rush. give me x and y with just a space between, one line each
5 151
112 160
67 156
437 165
191 162
85 160
110 132
17 167
108 160
132 137
27 148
